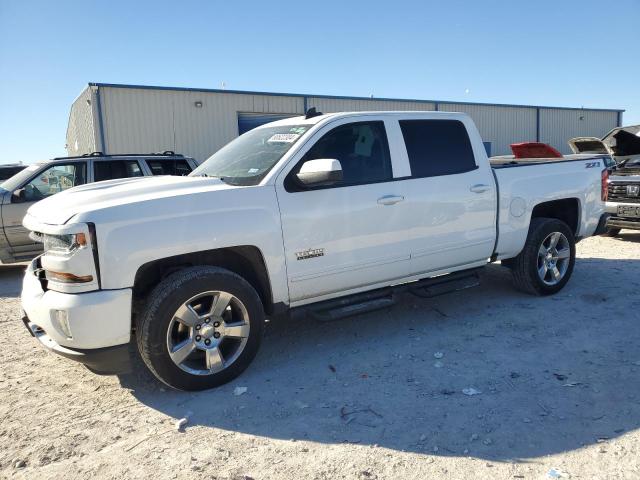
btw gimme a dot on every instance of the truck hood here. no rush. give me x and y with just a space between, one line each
619 142
60 208
588 145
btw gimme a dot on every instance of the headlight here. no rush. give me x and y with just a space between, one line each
63 243
69 261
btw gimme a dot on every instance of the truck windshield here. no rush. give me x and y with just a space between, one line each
247 159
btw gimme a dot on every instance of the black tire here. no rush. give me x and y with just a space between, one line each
611 232
524 267
159 311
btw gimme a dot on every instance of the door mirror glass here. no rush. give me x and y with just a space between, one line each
18 196
320 172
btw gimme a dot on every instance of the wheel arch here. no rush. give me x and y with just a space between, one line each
245 260
566 210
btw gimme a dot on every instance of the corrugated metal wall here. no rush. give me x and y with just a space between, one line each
557 126
81 134
142 120
330 105
147 120
499 125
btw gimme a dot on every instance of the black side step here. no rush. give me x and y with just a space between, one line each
352 305
385 297
447 284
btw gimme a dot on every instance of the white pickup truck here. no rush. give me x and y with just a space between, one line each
331 213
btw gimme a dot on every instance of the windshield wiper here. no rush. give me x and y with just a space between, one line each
222 179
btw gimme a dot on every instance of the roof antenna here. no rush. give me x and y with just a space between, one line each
312 113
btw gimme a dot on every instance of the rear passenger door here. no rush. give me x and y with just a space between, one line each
451 195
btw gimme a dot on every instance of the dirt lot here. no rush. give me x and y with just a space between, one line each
365 397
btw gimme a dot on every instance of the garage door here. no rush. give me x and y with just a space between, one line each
247 121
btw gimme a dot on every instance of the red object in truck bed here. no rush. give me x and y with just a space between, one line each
534 150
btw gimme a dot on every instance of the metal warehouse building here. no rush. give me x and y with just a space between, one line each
197 122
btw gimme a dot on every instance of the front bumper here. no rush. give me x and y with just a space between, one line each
93 328
617 222
614 221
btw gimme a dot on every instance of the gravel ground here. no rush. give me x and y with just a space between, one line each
375 396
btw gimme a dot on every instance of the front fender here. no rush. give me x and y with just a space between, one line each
131 235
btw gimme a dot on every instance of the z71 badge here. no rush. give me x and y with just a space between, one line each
592 164
311 253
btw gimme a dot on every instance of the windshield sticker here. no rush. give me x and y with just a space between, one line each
253 170
283 138
298 130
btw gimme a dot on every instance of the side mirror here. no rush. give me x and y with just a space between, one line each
320 172
19 196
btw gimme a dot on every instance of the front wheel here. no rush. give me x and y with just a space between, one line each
201 328
546 262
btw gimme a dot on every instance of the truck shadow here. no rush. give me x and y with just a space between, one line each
629 236
552 374
11 279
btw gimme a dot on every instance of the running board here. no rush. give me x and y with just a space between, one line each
348 306
447 285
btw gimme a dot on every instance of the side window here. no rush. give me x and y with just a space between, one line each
361 148
111 169
437 147
182 168
53 180
169 167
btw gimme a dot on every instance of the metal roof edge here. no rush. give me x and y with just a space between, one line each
345 97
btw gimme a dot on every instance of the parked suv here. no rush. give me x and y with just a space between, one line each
44 179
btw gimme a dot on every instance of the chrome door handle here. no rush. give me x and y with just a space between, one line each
390 199
479 188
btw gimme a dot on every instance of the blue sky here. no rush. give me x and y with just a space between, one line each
569 53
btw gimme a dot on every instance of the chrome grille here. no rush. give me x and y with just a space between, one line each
618 192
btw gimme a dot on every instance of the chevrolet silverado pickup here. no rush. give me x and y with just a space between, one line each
330 213
623 200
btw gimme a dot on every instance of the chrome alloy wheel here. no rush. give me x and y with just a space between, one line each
553 258
208 333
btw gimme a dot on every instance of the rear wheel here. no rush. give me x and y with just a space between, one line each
201 328
612 232
546 262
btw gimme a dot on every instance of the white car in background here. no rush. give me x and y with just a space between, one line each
623 199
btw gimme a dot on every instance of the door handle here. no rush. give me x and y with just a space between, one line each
390 199
479 188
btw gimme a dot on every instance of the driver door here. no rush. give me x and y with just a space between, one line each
351 234
53 179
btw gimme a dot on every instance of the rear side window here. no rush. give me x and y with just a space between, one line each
109 170
169 167
437 147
